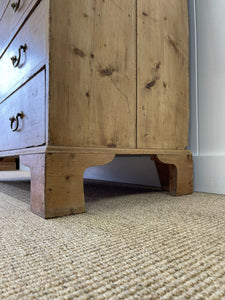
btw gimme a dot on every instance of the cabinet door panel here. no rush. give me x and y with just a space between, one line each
163 81
93 73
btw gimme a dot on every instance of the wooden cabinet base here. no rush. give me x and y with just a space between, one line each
175 173
57 175
57 181
7 164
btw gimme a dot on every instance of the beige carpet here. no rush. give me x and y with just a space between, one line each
129 245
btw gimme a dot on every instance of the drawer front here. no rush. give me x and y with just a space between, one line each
3 6
30 101
33 35
12 14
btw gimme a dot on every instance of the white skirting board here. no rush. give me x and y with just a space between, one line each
209 174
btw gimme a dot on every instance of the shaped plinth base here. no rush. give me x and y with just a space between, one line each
57 177
57 181
175 172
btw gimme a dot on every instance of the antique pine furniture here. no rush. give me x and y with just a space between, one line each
85 80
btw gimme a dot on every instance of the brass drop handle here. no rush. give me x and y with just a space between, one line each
15 5
15 120
16 60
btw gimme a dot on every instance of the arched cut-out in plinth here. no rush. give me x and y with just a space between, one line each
57 181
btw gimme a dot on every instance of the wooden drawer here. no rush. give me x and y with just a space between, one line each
33 35
12 15
29 99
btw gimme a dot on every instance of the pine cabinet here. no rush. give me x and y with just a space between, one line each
88 80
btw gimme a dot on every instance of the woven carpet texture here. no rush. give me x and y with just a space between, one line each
130 244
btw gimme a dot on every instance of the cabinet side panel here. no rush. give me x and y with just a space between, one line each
93 73
162 74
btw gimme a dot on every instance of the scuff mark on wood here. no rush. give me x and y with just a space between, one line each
79 52
144 14
164 85
85 15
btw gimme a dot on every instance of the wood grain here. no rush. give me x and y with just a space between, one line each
86 150
93 97
36 163
163 81
57 181
180 173
163 173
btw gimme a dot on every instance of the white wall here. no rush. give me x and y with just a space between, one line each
207 73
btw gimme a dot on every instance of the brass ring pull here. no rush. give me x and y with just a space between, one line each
15 5
15 120
16 60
